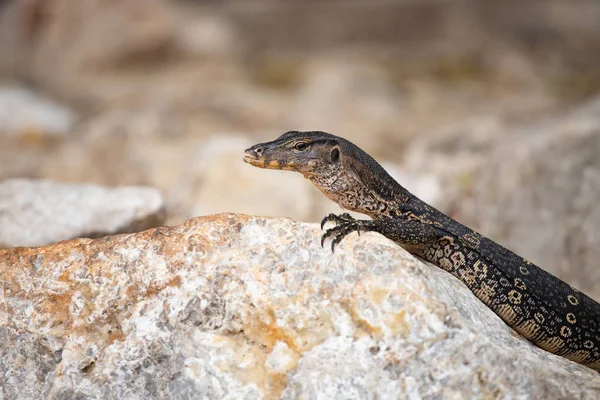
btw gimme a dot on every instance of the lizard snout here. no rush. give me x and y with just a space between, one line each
255 156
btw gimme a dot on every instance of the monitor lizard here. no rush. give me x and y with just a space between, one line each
548 312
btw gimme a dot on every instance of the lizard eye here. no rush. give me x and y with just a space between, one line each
335 155
301 146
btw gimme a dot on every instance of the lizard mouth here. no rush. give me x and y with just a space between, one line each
251 158
258 160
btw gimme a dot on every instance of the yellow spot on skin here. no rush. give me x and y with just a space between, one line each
539 318
447 251
458 259
514 297
565 331
572 299
571 318
448 240
574 289
520 284
472 238
446 264
524 270
588 344
481 269
447 244
467 276
413 217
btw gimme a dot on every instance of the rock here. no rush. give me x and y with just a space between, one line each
31 126
536 191
233 306
38 212
23 112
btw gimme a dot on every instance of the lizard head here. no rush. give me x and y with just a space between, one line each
341 170
309 153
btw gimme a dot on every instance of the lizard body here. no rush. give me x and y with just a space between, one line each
542 308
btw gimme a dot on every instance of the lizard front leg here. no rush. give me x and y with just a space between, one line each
413 235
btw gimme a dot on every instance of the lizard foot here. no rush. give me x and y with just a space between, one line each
338 232
338 219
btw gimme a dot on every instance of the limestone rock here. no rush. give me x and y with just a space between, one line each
38 212
232 306
23 112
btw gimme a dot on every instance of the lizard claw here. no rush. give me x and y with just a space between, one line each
328 218
338 219
339 232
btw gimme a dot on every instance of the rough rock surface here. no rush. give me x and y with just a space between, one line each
39 212
232 306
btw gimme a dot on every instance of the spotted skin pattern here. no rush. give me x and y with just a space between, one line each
545 310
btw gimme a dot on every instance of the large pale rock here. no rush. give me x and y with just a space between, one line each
38 212
30 126
232 306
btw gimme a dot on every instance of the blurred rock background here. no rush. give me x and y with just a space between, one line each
489 110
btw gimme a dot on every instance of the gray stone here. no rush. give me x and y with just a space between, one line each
232 306
39 212
23 112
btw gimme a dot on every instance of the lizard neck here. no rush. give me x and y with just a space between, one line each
343 187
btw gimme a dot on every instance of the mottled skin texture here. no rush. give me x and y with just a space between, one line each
541 307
